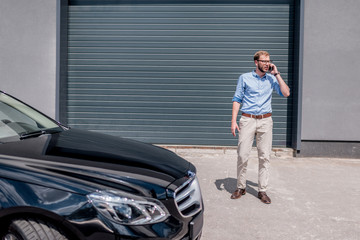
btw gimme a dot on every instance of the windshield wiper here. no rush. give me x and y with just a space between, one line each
32 134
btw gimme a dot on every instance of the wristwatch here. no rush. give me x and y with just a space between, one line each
276 73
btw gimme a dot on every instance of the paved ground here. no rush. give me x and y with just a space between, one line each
312 198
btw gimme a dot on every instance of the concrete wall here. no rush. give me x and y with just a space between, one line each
28 31
331 86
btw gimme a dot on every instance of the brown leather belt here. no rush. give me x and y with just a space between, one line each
257 116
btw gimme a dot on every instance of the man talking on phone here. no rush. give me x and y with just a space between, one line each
253 93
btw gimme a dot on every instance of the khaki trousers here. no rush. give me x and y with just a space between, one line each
262 129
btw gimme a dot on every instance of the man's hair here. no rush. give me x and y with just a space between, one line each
260 53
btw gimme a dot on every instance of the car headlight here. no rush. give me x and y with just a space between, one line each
128 209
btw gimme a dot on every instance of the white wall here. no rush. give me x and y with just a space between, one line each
28 51
331 84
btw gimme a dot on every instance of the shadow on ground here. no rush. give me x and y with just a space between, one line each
229 185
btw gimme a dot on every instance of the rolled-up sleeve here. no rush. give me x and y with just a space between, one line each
239 93
276 86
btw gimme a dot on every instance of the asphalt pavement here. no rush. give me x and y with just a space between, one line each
312 198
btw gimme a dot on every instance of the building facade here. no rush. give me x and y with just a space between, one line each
164 72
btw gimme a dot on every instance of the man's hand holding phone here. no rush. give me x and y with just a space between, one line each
273 69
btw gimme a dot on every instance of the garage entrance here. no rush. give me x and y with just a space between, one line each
165 73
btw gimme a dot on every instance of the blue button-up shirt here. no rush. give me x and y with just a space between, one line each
255 92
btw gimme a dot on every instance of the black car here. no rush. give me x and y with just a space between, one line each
62 183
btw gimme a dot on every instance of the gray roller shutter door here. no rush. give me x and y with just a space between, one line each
166 73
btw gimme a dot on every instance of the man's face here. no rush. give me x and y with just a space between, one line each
263 63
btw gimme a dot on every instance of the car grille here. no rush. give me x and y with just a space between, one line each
188 197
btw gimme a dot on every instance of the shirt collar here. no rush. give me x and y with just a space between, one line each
257 76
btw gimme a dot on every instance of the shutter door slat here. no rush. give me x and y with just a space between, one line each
166 73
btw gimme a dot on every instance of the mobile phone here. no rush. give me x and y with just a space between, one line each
271 68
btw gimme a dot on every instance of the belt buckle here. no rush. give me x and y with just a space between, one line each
259 116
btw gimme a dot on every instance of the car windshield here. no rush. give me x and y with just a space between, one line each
19 121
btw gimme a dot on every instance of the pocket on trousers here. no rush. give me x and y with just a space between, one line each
244 121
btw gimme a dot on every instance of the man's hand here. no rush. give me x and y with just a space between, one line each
234 127
274 69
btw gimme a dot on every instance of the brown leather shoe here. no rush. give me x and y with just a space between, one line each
238 193
264 198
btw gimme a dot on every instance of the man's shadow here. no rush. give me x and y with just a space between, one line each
230 185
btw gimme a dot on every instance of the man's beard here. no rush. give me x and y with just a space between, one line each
261 69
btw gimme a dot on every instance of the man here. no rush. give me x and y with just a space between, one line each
253 92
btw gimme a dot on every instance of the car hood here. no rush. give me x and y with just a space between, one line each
104 156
